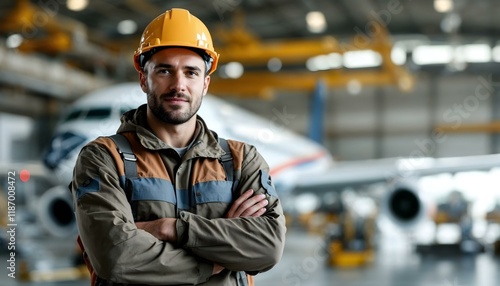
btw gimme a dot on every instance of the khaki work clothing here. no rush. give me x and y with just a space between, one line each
192 189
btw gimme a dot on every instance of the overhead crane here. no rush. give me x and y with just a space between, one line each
240 45
55 34
40 29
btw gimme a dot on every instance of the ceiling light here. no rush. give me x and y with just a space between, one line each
311 64
324 62
443 6
496 53
437 54
14 41
398 55
316 22
234 70
127 27
446 54
334 60
362 59
474 53
274 64
77 5
316 63
451 23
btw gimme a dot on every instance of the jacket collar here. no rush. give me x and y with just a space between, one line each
205 143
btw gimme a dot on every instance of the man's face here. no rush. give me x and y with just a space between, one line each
175 83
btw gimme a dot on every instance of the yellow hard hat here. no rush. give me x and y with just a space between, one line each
176 28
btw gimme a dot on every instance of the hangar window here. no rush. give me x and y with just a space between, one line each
98 113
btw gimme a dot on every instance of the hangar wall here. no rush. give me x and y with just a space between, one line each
376 123
382 122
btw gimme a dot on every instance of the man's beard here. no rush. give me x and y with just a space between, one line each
174 116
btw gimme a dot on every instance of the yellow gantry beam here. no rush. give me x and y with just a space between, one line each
239 45
262 84
288 51
41 30
489 127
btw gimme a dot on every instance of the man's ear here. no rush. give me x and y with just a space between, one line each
143 81
206 83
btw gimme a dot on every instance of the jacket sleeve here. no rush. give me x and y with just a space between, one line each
240 244
118 251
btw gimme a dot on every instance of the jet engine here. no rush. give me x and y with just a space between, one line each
55 212
403 205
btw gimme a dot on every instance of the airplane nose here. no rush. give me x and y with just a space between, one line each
63 144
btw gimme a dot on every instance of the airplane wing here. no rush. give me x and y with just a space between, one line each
353 173
395 184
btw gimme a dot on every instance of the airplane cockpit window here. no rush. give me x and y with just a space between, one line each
98 113
73 115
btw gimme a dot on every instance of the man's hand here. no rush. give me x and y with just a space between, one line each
217 269
162 229
247 205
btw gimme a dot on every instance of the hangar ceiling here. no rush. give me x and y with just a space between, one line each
280 18
78 50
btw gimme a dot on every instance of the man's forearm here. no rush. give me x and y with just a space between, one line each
246 205
248 244
163 228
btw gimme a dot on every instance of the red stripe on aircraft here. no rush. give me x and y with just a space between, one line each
296 162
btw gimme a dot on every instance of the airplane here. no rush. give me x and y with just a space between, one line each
289 155
300 166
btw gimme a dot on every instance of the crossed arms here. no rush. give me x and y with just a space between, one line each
184 250
247 205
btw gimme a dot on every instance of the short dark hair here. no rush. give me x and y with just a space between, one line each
144 57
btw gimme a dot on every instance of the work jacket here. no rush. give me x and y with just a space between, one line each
192 189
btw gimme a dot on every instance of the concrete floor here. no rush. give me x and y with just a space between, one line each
395 264
304 263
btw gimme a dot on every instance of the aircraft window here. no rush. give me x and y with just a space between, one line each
73 115
98 113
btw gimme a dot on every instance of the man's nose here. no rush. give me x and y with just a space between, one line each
178 82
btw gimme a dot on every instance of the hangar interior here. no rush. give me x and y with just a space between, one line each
66 53
395 79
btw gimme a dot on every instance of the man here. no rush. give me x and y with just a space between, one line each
182 224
